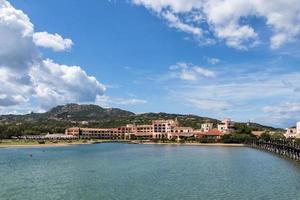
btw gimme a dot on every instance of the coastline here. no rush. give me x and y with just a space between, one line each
41 145
67 144
35 144
196 144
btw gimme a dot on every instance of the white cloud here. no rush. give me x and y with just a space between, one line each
260 96
17 52
53 41
175 22
187 76
190 72
256 86
15 88
133 101
283 109
16 19
286 113
106 101
6 100
27 78
57 84
213 61
174 5
103 101
209 104
229 20
204 72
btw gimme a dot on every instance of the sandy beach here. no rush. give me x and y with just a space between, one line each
23 144
34 145
197 144
62 144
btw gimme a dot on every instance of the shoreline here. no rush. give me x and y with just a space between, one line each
197 144
40 145
65 144
33 144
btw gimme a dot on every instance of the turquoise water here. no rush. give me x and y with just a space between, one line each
123 171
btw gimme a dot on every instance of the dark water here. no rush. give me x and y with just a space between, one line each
122 171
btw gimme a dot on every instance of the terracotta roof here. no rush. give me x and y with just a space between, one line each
210 132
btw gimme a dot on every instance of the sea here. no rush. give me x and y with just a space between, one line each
114 171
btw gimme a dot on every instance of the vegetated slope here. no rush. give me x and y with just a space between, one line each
60 117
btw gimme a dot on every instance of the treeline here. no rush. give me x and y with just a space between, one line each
243 134
38 128
42 127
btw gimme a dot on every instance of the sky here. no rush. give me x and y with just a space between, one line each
217 58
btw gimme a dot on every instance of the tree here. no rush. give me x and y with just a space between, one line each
242 129
265 137
242 134
277 136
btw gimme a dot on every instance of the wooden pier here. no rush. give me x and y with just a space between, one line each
289 149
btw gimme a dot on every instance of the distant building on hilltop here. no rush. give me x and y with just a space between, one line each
84 122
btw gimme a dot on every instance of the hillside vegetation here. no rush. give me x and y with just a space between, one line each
69 115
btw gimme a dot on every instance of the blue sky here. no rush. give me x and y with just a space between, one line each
217 59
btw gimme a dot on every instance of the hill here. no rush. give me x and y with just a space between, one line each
63 116
72 112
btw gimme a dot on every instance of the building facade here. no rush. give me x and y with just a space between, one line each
159 129
207 126
226 126
293 132
212 134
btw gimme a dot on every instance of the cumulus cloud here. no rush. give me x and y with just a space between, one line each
190 72
53 41
15 88
17 52
230 20
26 77
56 84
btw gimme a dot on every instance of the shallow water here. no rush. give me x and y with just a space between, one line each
124 171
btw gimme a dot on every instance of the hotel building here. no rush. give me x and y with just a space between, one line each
207 126
159 129
293 132
227 126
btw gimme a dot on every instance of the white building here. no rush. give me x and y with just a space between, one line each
226 126
293 132
290 133
84 122
163 126
206 127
